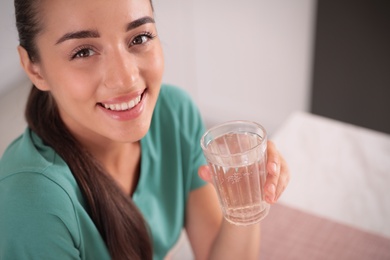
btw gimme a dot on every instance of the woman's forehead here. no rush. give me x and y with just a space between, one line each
92 14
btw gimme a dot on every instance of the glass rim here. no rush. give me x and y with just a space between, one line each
233 122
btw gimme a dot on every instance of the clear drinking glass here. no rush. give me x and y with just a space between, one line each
236 152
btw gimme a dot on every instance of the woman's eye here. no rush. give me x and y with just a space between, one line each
83 53
141 39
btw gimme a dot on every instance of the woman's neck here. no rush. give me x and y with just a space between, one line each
120 160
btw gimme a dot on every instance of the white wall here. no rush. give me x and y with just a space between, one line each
11 73
248 59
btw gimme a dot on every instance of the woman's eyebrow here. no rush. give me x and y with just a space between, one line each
95 34
78 35
136 23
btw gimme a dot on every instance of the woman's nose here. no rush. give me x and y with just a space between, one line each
121 70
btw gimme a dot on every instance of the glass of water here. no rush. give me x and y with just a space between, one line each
236 152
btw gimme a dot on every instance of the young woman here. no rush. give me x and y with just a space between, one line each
110 166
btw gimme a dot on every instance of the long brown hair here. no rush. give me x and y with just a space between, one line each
115 215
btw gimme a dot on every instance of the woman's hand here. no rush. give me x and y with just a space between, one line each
278 174
203 216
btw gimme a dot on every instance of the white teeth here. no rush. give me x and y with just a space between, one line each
124 105
131 104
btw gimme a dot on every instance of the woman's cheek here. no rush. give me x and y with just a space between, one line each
83 84
157 69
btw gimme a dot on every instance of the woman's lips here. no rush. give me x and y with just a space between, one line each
122 105
124 110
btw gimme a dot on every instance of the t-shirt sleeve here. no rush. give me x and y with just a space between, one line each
37 219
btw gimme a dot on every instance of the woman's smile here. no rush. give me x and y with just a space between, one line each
123 103
125 107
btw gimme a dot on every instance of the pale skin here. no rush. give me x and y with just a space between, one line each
94 53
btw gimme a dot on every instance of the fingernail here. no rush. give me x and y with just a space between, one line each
274 168
271 189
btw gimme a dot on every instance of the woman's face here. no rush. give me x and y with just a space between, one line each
103 63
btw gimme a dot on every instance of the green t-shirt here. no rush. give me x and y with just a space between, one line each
42 211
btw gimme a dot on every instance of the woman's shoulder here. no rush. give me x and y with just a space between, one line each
29 157
26 153
31 171
38 219
37 201
32 192
174 97
176 106
33 174
173 91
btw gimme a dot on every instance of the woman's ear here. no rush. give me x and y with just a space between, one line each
32 69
